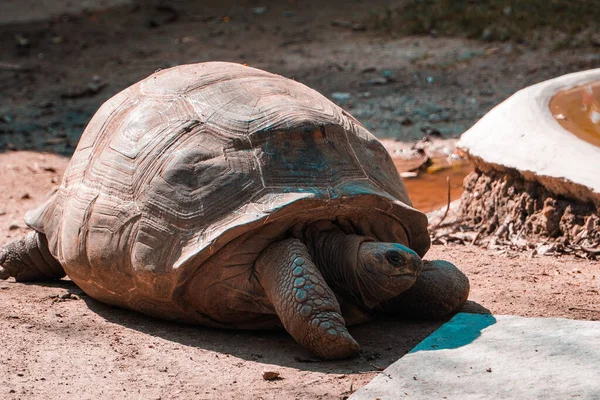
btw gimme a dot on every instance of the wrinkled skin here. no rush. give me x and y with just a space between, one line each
378 275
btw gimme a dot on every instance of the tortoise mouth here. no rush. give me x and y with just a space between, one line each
412 274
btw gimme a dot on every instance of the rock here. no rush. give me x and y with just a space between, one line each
488 34
378 81
405 121
260 10
14 226
536 175
544 249
387 74
355 26
69 296
432 133
524 125
270 375
341 96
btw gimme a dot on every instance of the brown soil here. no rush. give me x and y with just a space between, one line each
507 209
60 343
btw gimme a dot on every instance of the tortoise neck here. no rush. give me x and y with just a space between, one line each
336 255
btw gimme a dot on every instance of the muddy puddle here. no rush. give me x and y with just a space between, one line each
578 111
428 190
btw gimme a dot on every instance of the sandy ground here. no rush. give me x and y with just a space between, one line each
59 343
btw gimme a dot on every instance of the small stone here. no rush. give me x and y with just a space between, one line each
488 370
405 121
387 74
270 375
22 41
544 249
260 10
341 96
487 34
69 296
348 25
378 81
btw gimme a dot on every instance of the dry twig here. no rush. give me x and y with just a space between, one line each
447 205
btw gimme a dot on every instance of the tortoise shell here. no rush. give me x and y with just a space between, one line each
213 161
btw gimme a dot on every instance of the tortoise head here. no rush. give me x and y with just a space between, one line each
385 270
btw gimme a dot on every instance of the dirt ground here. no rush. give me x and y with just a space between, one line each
59 343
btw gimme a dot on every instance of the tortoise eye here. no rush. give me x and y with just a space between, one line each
394 258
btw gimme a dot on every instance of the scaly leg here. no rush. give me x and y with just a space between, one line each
303 301
28 259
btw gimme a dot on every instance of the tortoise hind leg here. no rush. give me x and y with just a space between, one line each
305 304
440 289
28 259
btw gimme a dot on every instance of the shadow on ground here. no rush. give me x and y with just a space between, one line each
383 340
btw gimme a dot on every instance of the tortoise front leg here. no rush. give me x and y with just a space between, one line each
303 301
440 289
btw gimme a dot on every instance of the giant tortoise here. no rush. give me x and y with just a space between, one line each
226 196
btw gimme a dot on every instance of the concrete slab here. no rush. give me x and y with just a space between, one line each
523 134
497 357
